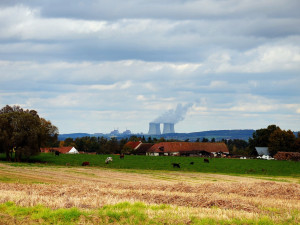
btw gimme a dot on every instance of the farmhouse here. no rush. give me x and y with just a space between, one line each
188 149
133 144
63 150
139 147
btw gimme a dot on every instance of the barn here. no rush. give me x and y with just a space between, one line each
62 150
139 147
188 149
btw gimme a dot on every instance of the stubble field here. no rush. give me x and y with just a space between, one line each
64 195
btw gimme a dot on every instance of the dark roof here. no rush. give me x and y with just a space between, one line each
189 146
133 144
143 148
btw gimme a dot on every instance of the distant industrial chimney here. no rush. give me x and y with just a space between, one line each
154 128
168 128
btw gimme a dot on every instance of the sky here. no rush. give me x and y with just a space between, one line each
94 66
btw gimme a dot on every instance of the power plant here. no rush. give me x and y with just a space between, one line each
168 128
154 128
168 119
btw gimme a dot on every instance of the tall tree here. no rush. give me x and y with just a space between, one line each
23 132
260 138
281 140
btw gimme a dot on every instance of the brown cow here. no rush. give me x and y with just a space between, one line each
85 164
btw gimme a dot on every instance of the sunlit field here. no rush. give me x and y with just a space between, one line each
53 193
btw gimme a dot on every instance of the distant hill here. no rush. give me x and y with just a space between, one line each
217 134
62 137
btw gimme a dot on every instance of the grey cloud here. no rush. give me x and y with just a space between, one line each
114 61
119 9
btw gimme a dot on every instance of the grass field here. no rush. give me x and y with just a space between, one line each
216 165
130 192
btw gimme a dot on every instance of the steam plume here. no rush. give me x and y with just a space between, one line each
173 116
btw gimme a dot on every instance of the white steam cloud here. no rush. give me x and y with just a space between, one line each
174 116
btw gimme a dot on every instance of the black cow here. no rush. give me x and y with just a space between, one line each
176 165
206 160
192 163
85 164
57 153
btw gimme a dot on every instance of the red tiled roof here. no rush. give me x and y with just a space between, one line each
143 148
133 144
63 150
189 146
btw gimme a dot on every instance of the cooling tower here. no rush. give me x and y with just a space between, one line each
154 128
168 128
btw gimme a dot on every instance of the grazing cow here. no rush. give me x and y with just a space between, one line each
122 156
206 160
192 163
176 165
57 153
108 159
85 164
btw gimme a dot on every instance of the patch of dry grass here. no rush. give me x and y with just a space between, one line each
190 194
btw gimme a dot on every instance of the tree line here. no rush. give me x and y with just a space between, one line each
24 132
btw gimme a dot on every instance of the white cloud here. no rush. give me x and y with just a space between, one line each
108 63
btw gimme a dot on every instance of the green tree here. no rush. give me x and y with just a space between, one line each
102 141
23 132
296 145
134 138
281 140
127 149
260 138
204 140
69 142
113 146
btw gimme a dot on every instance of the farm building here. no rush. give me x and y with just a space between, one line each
262 150
63 150
133 144
138 147
189 149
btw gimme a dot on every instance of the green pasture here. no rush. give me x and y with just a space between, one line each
135 162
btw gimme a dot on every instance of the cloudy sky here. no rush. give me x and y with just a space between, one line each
94 65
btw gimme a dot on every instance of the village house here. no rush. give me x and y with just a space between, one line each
189 149
62 150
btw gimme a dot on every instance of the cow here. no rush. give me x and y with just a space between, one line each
57 153
176 165
108 159
192 163
206 160
122 156
85 164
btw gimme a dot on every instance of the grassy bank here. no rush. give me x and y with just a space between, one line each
127 213
215 165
